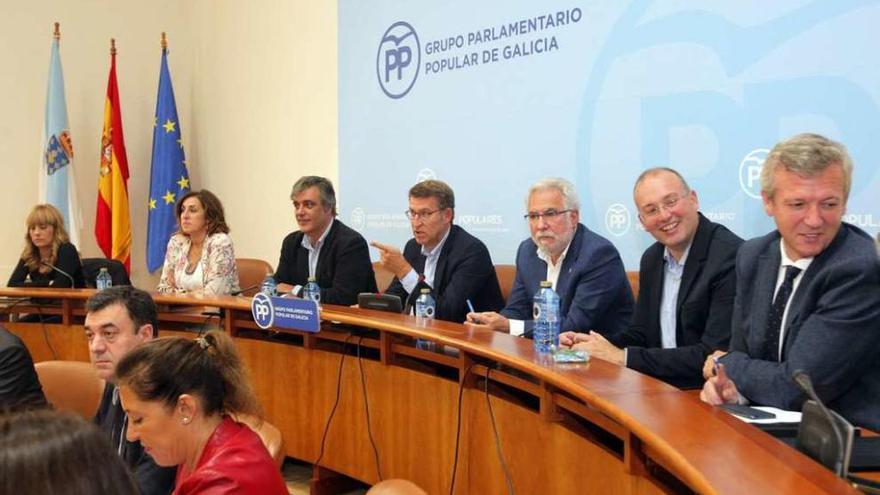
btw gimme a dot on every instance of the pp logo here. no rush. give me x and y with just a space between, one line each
263 311
750 172
536 311
429 312
358 218
617 219
398 59
425 174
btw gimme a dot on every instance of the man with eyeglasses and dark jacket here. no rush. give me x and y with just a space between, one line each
686 287
443 257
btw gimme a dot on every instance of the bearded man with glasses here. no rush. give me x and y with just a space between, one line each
584 268
443 257
687 284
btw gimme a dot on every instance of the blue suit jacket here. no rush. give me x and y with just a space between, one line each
594 293
832 330
464 271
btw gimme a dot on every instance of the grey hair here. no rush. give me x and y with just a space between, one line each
806 155
325 189
569 193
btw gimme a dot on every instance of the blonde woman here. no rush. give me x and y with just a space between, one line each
48 258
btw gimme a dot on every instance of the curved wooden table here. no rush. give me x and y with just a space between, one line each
576 428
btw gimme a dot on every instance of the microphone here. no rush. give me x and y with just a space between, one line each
242 291
802 379
59 270
411 299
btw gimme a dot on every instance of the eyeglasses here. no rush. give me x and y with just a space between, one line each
667 204
548 215
421 215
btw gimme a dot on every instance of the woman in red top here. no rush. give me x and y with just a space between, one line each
178 394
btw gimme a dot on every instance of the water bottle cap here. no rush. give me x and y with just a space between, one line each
546 284
103 269
426 290
312 279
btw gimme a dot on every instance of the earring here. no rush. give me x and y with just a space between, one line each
185 420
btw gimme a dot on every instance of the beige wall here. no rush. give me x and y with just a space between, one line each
255 84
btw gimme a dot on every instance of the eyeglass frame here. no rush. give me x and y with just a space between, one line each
666 204
549 215
421 215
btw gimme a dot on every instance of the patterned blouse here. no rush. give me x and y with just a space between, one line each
219 271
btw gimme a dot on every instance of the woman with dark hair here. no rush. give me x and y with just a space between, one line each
52 453
48 258
179 395
200 258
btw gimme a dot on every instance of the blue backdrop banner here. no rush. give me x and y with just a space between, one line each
492 96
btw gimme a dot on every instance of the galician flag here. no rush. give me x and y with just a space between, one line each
169 180
56 181
112 216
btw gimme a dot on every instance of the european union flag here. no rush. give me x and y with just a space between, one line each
169 180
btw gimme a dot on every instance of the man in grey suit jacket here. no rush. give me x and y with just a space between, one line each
686 287
808 294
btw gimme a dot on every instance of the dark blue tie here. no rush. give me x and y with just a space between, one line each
774 322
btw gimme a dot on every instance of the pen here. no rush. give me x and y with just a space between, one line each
470 306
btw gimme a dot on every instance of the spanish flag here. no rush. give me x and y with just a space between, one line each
112 218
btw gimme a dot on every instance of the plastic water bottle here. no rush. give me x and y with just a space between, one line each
103 280
545 310
269 286
312 291
425 309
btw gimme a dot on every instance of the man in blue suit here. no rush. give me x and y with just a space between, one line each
585 269
807 295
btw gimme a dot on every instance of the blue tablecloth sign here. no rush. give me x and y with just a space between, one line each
282 312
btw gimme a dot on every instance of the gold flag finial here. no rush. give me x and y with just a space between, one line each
57 32
164 41
112 46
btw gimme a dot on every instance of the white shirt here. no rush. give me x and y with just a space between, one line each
314 252
672 272
518 327
803 264
191 281
411 279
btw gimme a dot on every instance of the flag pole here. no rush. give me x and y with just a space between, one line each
57 33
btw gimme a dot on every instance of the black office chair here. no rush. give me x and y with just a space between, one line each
92 266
